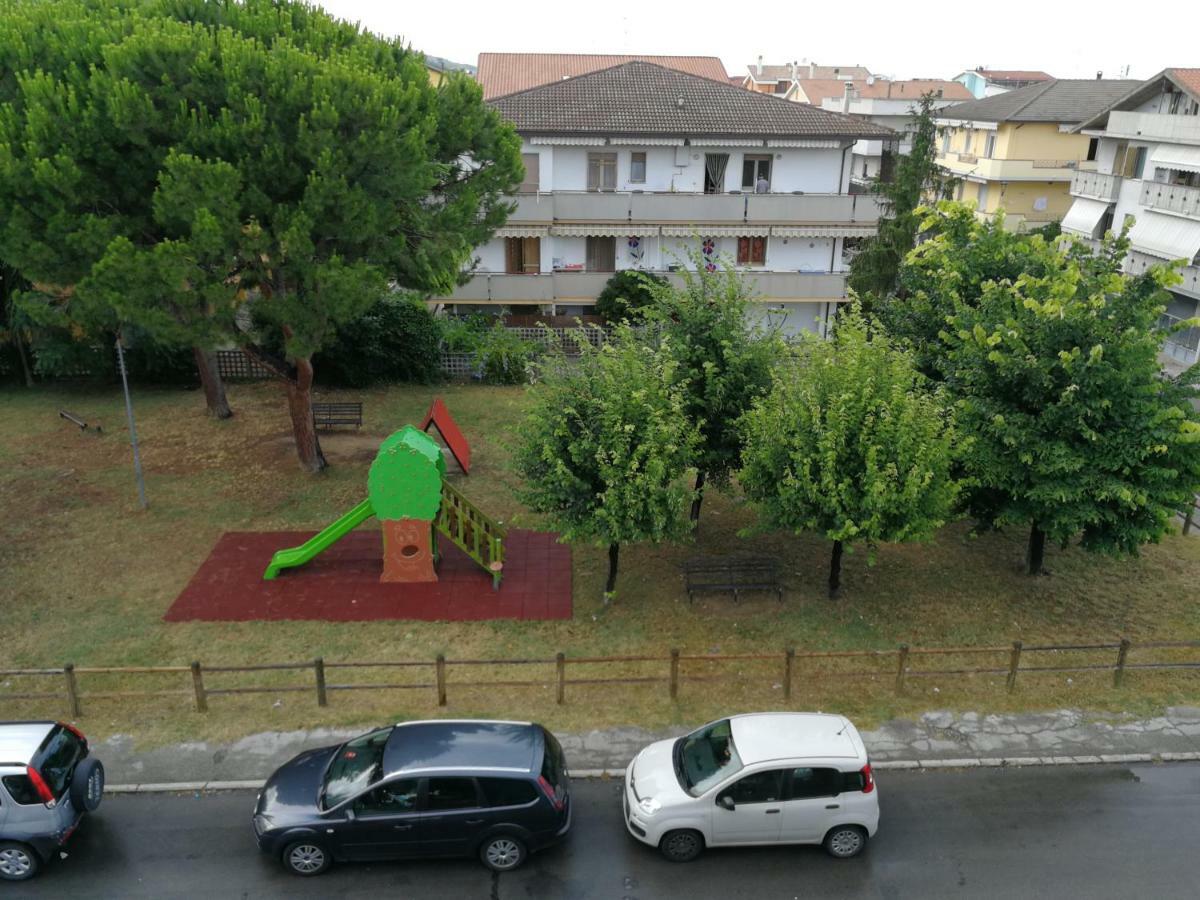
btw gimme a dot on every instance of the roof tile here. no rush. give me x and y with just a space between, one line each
507 73
1062 100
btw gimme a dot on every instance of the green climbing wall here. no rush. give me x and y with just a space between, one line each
405 480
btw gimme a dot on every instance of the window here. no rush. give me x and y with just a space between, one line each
752 251
968 141
945 142
554 764
57 760
601 254
756 173
714 172
532 182
20 788
1093 147
761 787
388 799
602 172
507 791
705 757
637 168
1139 162
522 256
989 146
358 764
451 793
817 783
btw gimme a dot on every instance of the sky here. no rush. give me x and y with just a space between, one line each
895 39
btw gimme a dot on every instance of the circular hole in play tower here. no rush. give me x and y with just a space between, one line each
410 551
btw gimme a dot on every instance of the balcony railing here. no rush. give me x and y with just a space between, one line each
548 287
1137 262
689 207
1096 186
991 169
1171 128
1172 198
1181 346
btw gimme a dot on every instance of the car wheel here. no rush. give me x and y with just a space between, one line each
681 846
845 841
306 858
17 861
502 852
87 785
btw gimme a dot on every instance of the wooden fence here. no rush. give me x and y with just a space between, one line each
895 666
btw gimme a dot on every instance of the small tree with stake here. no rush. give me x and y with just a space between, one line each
604 446
851 443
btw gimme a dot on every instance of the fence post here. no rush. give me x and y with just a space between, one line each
789 661
440 667
72 691
1189 516
1122 652
674 673
198 688
901 666
319 673
560 672
1014 661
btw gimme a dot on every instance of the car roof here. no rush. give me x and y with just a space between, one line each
19 741
443 744
761 737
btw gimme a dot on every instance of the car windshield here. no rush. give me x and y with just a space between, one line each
357 765
706 757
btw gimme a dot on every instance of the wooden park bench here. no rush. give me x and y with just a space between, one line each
327 415
732 573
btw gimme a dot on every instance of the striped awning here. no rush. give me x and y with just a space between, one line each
602 230
716 230
1167 237
1175 156
522 231
800 231
1083 216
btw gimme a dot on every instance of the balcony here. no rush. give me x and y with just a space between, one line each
1096 186
679 208
1011 169
1137 262
1153 126
1171 198
503 288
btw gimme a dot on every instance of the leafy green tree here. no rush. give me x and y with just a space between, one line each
233 156
604 446
627 294
722 361
397 340
14 326
874 271
1076 433
851 443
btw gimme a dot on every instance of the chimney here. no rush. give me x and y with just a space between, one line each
847 96
1099 75
793 70
759 73
812 70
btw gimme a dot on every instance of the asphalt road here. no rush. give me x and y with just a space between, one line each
1054 832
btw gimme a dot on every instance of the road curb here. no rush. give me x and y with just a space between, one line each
880 765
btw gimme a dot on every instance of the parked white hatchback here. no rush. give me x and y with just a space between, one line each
759 778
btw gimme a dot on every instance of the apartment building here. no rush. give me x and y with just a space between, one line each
1019 150
983 82
632 166
506 73
1147 151
781 80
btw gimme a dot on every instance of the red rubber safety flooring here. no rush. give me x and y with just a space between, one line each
342 584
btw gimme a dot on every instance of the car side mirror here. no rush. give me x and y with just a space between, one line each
726 802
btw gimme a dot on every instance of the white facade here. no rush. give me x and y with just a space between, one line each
791 236
1148 175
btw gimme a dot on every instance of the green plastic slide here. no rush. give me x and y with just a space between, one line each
323 540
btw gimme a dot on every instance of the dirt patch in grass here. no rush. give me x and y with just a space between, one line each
85 576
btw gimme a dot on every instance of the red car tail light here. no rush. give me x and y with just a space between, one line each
550 793
39 784
868 779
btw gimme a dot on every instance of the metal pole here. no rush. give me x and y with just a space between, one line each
137 459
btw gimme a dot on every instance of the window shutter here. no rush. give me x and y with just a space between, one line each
593 176
743 253
512 255
532 180
531 255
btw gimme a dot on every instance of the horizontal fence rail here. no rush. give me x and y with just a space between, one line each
670 670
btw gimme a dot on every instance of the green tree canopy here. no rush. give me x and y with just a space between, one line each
604 446
627 294
851 443
225 155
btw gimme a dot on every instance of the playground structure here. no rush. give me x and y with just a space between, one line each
408 493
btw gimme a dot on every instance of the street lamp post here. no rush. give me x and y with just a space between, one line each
137 459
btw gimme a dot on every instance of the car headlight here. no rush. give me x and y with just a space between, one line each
649 805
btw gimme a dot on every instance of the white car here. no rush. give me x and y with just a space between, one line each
761 778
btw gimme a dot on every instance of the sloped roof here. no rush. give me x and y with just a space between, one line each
1064 100
507 73
784 72
818 89
1187 80
1001 76
646 99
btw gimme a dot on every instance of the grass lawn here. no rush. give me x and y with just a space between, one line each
85 576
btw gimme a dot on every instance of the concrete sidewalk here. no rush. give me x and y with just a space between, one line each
935 740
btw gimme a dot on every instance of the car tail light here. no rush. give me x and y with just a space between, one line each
75 731
39 784
868 779
550 793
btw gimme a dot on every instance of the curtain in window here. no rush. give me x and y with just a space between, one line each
714 164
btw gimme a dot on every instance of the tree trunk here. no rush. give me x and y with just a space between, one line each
835 571
611 585
1035 555
25 370
699 496
210 380
304 430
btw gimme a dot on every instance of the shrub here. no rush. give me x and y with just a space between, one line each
504 357
397 339
627 294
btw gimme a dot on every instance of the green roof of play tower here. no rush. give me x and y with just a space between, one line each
405 481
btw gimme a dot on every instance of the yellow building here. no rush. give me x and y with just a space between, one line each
1015 151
